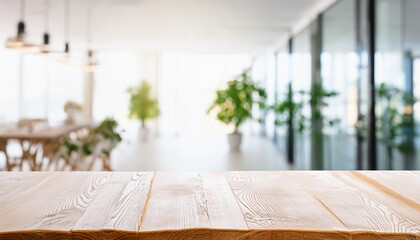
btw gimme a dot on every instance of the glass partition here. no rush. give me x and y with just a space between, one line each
301 75
339 72
270 86
411 37
398 46
283 65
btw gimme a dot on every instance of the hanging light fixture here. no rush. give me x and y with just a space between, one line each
91 64
45 48
46 36
18 43
65 57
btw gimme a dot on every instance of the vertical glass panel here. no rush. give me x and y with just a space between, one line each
301 75
411 26
363 83
270 87
390 83
283 80
411 31
339 72
416 112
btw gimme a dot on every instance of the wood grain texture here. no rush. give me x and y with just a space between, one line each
118 207
356 210
210 206
402 184
54 206
270 200
223 209
176 202
385 197
225 215
13 186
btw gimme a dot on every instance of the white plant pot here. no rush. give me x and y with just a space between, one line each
71 117
144 134
234 140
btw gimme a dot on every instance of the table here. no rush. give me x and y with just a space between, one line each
36 144
204 205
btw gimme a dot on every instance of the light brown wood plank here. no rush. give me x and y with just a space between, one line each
176 208
388 199
211 206
226 218
117 209
16 184
223 209
360 213
54 207
403 184
273 201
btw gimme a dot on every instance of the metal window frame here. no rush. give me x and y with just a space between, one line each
371 137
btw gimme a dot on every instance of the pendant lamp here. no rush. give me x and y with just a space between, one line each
91 64
65 57
18 42
46 47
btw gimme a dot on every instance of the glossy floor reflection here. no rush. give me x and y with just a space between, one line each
200 153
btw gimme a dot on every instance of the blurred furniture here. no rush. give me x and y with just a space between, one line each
224 205
37 141
96 145
31 123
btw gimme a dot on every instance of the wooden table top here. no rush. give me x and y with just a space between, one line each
226 205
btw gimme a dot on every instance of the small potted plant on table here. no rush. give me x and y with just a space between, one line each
71 109
234 104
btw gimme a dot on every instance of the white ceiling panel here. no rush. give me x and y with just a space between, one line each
197 25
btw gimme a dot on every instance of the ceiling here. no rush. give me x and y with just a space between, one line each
192 25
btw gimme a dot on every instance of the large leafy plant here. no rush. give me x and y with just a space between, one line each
142 105
234 103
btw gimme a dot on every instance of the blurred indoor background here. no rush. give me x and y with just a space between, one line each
146 85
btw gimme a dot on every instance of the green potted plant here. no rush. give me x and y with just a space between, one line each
233 105
72 109
143 106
